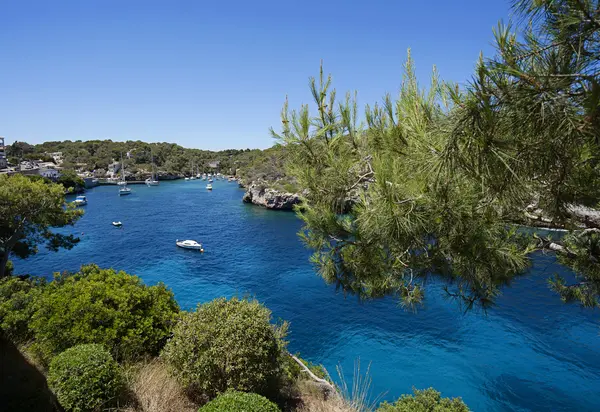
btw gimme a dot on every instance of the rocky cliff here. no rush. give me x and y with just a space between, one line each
261 195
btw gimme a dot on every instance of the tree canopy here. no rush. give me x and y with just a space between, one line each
29 210
432 182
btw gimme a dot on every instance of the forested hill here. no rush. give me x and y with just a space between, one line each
169 157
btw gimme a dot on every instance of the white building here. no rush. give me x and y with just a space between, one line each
50 173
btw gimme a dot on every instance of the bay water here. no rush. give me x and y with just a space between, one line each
529 353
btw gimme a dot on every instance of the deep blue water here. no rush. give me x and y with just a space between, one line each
531 352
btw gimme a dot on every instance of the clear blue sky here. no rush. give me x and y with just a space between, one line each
214 74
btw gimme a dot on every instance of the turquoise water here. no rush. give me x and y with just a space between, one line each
530 353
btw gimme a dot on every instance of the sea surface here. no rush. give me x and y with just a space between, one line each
529 353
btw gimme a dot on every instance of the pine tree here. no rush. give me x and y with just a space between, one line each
432 182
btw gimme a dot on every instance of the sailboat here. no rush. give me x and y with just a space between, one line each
123 190
152 181
192 177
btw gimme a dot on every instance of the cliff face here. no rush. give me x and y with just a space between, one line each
270 198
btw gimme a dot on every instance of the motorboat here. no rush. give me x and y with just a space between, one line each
80 201
124 191
117 224
187 178
209 187
122 183
210 180
189 244
151 182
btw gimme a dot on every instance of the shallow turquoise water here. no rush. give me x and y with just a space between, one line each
531 352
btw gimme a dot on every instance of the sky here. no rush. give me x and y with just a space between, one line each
214 74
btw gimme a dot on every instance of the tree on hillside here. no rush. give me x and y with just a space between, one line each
433 181
71 181
28 210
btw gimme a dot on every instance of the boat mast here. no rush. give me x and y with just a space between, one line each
122 167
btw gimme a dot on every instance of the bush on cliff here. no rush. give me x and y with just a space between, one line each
102 306
427 400
233 401
228 344
16 306
85 378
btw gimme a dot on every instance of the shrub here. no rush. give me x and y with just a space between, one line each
85 378
102 306
16 306
233 401
228 344
428 400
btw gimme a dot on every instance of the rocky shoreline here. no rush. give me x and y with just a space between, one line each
261 195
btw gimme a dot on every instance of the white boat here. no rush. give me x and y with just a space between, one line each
123 190
187 178
151 182
80 201
117 224
189 244
209 187
210 180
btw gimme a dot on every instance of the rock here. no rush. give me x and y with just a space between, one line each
258 194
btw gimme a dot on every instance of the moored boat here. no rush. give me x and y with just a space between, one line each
80 201
189 244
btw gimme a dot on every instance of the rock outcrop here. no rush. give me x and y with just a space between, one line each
261 195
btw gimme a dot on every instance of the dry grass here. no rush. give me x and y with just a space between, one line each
314 400
155 390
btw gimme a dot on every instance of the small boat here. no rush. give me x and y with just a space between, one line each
124 191
210 180
187 178
189 244
80 201
209 187
151 182
122 183
117 224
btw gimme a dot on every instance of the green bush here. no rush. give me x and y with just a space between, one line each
102 306
85 378
228 344
233 401
428 400
16 306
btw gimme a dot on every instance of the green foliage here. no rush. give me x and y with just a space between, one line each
168 157
228 344
70 181
28 210
102 306
433 180
16 306
233 401
583 256
85 378
268 167
428 400
409 216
